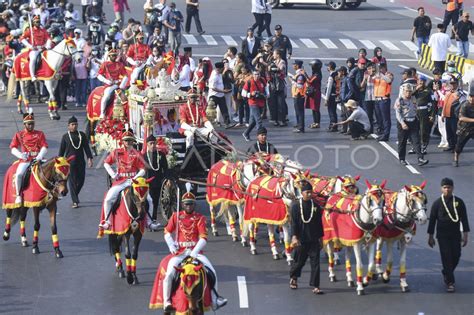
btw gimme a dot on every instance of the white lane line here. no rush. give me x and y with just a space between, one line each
229 40
389 45
293 44
312 58
209 40
328 43
410 9
190 39
308 42
367 43
395 154
410 45
243 37
348 43
243 294
439 19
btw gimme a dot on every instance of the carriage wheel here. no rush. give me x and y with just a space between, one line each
168 199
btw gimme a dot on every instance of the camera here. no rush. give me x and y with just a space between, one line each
259 95
274 68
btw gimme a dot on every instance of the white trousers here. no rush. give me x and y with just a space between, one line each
114 193
136 72
33 54
171 271
205 132
442 131
108 93
22 167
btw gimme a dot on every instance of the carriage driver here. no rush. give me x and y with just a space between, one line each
138 55
130 166
190 229
36 39
111 73
193 119
33 146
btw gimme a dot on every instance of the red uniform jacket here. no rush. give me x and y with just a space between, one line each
252 86
112 70
193 115
128 163
139 52
189 228
30 142
40 36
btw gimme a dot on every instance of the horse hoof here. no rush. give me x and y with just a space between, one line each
215 233
135 280
121 274
350 284
405 289
35 250
129 278
24 244
360 292
59 254
235 239
337 262
385 280
365 284
253 252
245 244
332 279
375 277
276 257
6 236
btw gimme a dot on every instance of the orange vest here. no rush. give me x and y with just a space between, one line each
448 102
451 6
382 88
299 87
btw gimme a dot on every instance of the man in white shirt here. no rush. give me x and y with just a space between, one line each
258 11
439 43
358 121
216 92
78 40
231 56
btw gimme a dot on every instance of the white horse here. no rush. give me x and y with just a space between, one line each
55 59
361 220
403 208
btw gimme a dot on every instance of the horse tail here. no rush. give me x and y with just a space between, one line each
15 216
11 86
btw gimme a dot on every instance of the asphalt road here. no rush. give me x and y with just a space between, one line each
84 282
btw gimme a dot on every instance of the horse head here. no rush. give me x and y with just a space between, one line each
416 201
347 183
70 49
60 173
373 202
140 188
192 280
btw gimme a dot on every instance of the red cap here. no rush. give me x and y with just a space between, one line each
362 60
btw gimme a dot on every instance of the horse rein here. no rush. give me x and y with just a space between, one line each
54 184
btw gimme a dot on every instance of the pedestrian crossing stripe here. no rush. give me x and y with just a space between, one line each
315 43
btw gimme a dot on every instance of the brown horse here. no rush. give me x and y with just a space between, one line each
129 220
48 181
193 281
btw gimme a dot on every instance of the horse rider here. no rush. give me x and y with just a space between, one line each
111 73
129 164
36 39
262 146
194 120
28 145
190 230
138 55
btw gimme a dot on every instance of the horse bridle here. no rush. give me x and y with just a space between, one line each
68 50
54 183
367 227
409 202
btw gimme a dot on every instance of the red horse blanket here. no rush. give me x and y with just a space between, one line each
120 220
224 174
34 195
21 67
264 203
93 105
178 298
338 221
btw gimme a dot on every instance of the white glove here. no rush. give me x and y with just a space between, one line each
185 126
129 181
209 125
18 154
41 153
141 173
199 246
170 242
110 171
24 156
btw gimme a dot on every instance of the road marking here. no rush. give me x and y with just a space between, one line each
190 39
367 43
293 44
410 45
389 45
308 42
229 40
243 37
312 58
243 294
348 43
209 40
395 154
410 9
439 19
328 43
